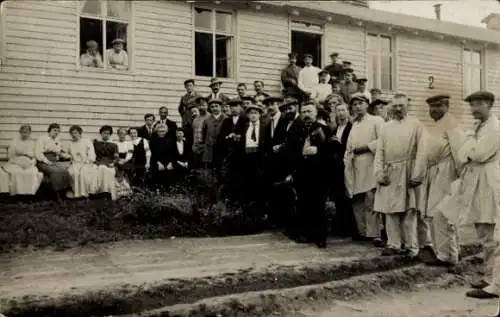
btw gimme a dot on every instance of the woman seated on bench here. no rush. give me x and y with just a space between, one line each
49 154
20 175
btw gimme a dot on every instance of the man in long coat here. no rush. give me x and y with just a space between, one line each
210 132
478 189
308 142
400 168
358 162
289 78
441 150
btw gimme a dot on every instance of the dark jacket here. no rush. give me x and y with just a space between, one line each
144 133
289 78
172 128
340 149
185 104
225 145
176 157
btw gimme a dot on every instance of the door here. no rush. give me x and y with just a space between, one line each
307 43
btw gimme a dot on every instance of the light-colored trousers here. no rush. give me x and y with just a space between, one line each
445 238
486 235
401 228
368 222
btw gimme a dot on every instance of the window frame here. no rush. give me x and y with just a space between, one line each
466 65
322 32
3 25
104 18
379 54
234 76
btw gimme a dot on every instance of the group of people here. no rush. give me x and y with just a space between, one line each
394 182
117 57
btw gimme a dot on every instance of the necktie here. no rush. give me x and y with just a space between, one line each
254 135
272 127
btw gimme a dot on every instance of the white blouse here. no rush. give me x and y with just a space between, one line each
125 147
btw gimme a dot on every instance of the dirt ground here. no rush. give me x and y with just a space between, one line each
422 303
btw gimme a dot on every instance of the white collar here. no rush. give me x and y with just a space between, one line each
217 116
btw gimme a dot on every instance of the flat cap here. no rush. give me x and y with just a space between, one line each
289 102
292 55
92 44
254 107
334 54
375 91
361 80
308 55
358 97
349 70
481 95
118 41
272 99
437 98
216 101
323 72
346 63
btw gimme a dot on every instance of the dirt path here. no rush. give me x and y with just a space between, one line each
421 303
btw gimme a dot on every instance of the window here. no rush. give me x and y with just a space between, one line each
214 43
307 38
3 5
380 68
473 70
104 34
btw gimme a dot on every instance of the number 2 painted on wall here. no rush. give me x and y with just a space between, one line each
431 82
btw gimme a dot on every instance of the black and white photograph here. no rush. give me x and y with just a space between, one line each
243 158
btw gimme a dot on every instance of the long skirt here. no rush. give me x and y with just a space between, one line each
4 181
105 181
57 174
83 177
23 181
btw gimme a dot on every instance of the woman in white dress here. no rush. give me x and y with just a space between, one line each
82 170
20 172
106 152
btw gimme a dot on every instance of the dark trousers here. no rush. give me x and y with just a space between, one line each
312 192
251 192
343 224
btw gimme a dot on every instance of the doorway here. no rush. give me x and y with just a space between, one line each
307 43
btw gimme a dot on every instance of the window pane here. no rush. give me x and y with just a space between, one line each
119 9
223 22
92 7
475 79
91 30
203 54
476 58
372 71
386 72
372 42
307 26
223 55
117 56
385 44
203 19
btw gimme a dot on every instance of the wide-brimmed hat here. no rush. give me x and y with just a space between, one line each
235 102
214 81
289 101
272 99
118 41
481 95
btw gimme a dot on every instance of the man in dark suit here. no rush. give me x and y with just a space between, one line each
250 155
171 125
309 153
227 154
147 130
289 78
187 102
344 224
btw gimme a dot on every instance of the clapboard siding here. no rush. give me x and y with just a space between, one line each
264 45
40 83
420 57
349 42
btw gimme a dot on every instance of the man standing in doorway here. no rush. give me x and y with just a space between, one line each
349 87
308 77
289 78
335 69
